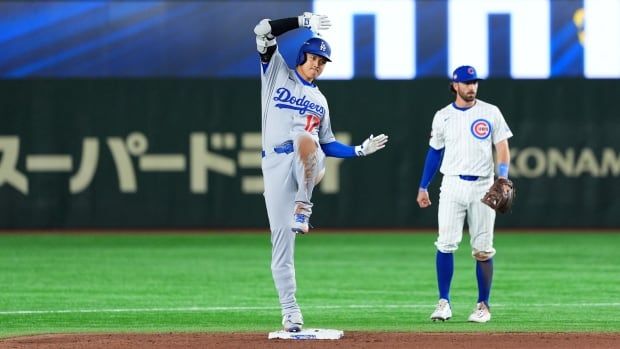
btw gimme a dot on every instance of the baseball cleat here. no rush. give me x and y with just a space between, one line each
443 311
292 322
480 314
300 223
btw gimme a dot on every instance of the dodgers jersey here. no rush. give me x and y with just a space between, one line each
291 105
468 137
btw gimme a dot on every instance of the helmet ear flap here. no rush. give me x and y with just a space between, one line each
301 57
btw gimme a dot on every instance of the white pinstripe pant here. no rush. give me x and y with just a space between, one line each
458 199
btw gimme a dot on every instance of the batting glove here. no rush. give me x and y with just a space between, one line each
264 38
371 145
314 22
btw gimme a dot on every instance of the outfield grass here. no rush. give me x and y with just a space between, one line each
377 282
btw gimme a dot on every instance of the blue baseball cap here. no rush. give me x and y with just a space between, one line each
465 73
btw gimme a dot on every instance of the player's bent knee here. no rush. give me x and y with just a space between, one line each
444 247
305 145
304 137
483 256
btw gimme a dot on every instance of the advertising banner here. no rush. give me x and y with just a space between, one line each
138 153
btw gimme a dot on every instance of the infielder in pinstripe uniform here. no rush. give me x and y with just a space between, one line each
296 137
463 135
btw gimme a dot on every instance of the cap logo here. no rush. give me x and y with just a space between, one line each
323 47
471 71
481 128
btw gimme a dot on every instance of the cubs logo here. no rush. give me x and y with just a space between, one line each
481 128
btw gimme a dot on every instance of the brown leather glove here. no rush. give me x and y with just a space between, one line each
500 196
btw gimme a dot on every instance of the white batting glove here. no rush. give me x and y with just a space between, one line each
314 22
371 145
264 38
263 28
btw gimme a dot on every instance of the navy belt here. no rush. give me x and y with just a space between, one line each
284 148
469 178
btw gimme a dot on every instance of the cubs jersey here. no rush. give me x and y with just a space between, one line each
291 105
468 136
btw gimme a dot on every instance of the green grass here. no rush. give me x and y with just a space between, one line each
377 282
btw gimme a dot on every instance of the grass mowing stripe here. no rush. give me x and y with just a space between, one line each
543 282
236 309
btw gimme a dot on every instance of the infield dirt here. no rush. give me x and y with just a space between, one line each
352 340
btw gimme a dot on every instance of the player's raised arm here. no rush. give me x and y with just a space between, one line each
267 30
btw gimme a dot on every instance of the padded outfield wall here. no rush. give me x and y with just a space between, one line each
185 153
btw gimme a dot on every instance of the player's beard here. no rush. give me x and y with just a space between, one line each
467 96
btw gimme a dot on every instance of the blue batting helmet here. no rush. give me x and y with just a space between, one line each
316 46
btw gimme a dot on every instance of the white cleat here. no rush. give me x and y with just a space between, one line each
481 313
292 322
443 311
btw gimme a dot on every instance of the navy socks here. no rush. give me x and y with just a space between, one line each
484 274
445 270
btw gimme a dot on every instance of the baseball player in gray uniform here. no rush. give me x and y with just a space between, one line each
462 137
296 137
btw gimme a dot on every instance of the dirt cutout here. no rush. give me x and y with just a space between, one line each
351 340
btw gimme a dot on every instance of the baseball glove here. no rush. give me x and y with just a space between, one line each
500 196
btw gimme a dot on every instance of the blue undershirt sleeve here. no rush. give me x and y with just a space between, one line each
431 165
336 149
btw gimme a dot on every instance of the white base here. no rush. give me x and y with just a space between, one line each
310 333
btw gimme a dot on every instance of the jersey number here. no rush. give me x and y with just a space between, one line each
312 121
